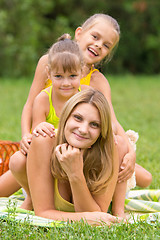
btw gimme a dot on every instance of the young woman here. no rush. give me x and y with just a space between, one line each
79 181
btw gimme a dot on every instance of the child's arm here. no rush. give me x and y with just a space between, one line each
37 85
99 82
40 112
119 199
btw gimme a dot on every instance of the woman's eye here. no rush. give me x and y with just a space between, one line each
95 125
77 117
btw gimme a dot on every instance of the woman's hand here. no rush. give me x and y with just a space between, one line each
70 158
25 143
127 167
102 218
44 129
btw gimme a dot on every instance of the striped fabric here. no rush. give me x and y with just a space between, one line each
143 204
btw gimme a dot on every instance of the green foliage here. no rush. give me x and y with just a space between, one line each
28 28
21 35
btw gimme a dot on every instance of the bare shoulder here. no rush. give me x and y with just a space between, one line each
43 96
100 82
42 102
43 59
40 72
99 76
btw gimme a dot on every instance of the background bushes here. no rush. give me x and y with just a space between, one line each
28 28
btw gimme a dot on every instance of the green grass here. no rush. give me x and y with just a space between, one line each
13 94
136 104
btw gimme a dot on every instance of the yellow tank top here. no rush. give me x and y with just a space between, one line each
51 118
60 203
48 83
86 80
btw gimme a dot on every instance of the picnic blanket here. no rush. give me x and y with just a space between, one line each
10 209
139 205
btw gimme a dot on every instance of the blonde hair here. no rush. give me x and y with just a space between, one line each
66 53
91 21
98 160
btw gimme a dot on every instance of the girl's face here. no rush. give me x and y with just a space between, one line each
65 84
83 127
96 42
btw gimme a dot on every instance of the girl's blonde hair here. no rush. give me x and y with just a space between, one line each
66 53
98 160
91 21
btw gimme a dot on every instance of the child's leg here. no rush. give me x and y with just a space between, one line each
120 190
143 177
18 167
8 184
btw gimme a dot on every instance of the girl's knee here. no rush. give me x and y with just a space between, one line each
17 161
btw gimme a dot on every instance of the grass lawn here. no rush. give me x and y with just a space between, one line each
136 103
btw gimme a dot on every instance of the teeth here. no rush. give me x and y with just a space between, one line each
92 50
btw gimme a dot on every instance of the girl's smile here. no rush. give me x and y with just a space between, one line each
97 42
66 83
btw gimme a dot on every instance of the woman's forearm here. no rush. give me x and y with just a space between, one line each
82 198
92 218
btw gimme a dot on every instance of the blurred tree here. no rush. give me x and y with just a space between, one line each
21 35
28 28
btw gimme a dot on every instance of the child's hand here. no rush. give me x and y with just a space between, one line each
127 167
25 143
44 129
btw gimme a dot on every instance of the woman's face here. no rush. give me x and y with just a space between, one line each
83 127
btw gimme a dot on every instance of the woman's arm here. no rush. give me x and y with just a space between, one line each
99 82
71 160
